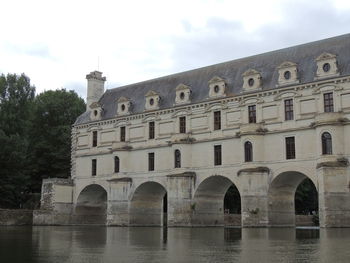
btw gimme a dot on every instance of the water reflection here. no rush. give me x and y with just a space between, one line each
152 244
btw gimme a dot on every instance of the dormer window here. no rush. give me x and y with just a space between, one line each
96 111
124 106
251 80
326 66
287 74
152 100
183 94
217 87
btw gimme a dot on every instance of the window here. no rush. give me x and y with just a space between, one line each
252 114
150 161
217 120
328 102
290 147
182 121
248 152
177 159
326 143
116 164
122 134
288 110
217 155
93 167
94 138
151 130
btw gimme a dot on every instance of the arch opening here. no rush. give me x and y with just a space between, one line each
292 200
149 205
91 205
216 202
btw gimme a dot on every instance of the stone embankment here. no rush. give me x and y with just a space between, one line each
16 217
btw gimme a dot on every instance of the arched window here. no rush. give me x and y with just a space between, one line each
248 152
177 159
116 164
326 143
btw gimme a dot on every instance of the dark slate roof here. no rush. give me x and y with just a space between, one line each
304 55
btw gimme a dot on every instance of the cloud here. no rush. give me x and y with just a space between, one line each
39 50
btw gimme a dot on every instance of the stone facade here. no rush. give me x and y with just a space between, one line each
282 103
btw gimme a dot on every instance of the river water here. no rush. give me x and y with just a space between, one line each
152 244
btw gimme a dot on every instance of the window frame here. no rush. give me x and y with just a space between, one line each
328 102
217 120
94 138
93 167
248 152
217 155
122 133
290 147
177 158
288 109
116 164
327 147
182 124
252 113
151 130
151 161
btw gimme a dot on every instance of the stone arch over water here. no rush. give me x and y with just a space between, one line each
208 201
281 198
147 205
91 205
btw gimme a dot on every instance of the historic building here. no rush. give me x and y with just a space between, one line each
175 144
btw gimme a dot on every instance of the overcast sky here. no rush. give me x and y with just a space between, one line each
56 43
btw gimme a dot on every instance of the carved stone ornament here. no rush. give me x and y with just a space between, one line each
152 100
251 80
326 66
124 106
217 87
183 94
96 111
287 74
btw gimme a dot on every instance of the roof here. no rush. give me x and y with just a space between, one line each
267 64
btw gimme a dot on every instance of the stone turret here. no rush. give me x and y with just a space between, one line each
95 87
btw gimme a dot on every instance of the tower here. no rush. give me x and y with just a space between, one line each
95 87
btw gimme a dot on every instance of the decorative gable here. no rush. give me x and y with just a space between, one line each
251 80
287 73
96 111
326 66
124 106
217 87
183 94
152 100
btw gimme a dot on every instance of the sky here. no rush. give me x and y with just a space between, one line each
56 43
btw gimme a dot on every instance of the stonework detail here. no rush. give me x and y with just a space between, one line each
152 100
287 74
183 94
217 87
326 66
252 80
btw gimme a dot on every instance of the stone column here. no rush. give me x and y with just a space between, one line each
334 193
180 187
118 202
254 198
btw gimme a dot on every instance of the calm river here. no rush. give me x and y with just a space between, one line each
146 244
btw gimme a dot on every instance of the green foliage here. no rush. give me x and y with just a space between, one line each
306 198
34 137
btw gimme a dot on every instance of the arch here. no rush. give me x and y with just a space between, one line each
91 205
281 198
248 152
326 140
177 158
208 201
147 205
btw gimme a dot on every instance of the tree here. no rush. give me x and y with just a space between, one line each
54 113
16 101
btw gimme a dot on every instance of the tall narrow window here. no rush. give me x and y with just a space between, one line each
288 110
93 167
182 121
151 130
326 143
122 134
290 147
94 138
217 155
328 102
150 161
252 114
217 120
177 159
248 152
116 164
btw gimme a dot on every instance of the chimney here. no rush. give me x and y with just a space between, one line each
95 87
